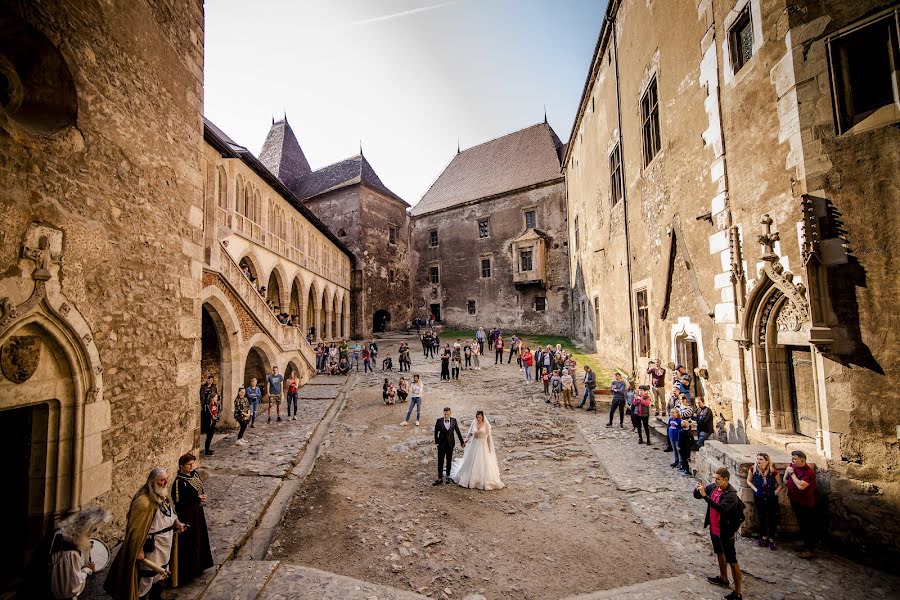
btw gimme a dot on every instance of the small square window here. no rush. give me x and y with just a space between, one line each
392 235
433 238
530 219
864 66
391 276
483 228
540 303
434 275
740 40
485 268
470 307
525 261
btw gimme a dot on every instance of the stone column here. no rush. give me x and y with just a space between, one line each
319 333
328 318
304 326
346 317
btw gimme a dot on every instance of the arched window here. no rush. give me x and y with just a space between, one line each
239 196
222 191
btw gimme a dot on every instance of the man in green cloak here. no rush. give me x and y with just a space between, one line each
149 552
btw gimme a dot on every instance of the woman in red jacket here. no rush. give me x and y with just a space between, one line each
527 362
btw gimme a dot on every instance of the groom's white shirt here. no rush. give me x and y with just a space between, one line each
447 424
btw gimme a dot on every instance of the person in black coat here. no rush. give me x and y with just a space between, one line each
444 428
724 514
194 554
685 445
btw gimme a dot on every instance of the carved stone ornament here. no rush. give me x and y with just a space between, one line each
789 318
19 357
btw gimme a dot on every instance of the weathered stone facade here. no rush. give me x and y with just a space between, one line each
101 252
365 214
489 238
747 241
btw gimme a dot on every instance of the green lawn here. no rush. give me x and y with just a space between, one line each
604 374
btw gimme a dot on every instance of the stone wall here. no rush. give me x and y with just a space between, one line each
120 178
365 217
789 346
498 302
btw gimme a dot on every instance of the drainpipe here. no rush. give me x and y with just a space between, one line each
615 50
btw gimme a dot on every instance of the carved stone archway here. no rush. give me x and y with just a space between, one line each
53 377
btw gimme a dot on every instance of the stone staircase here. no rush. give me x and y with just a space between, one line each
288 339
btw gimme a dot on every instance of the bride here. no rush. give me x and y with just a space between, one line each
478 468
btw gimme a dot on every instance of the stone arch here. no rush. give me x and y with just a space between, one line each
775 334
277 289
322 311
251 261
312 306
295 297
261 356
51 397
345 313
218 332
335 315
381 320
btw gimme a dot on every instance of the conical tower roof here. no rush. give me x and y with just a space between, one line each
282 155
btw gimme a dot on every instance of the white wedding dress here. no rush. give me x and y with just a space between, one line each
478 468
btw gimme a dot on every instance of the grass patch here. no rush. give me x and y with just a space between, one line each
604 374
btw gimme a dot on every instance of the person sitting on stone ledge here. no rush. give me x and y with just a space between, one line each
684 407
343 366
704 418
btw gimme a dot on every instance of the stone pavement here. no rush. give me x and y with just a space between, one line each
663 500
241 481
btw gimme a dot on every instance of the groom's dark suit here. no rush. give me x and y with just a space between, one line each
443 437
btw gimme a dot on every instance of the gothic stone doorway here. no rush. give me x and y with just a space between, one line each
436 311
783 369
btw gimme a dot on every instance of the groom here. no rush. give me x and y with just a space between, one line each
443 437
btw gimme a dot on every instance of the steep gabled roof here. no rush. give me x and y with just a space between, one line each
282 155
349 171
228 148
521 159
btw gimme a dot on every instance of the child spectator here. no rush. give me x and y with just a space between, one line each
545 379
391 394
555 387
674 427
384 391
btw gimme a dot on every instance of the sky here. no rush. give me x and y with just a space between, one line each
407 79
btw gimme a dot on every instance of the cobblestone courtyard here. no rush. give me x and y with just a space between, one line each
585 508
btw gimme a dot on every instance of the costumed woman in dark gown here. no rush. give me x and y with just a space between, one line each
194 555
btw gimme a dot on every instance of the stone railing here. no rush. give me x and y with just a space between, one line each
289 338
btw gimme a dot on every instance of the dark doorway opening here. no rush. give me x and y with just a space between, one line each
24 447
381 320
210 349
257 366
688 355
436 312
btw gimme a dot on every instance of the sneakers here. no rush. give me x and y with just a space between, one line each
241 442
734 596
209 452
279 419
609 424
404 424
718 581
294 418
417 423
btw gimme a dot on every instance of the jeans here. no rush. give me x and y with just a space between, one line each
355 362
367 366
527 373
620 404
253 407
455 371
291 397
766 515
806 520
209 436
701 438
475 363
673 440
642 422
588 395
468 361
417 402
511 352
498 355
